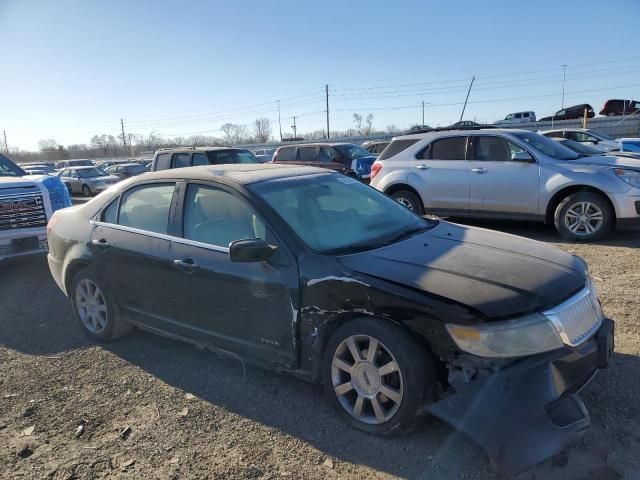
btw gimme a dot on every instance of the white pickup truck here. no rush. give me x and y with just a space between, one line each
26 204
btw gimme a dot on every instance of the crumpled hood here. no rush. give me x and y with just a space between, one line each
495 274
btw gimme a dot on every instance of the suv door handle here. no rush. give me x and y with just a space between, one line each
479 170
422 166
102 243
188 265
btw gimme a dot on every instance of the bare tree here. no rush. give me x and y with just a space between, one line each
392 129
262 127
101 142
357 119
48 145
234 133
368 124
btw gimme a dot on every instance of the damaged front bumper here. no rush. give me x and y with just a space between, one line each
529 411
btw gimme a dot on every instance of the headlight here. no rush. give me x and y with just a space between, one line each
514 338
632 177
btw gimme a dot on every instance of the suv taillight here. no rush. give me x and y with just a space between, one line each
375 168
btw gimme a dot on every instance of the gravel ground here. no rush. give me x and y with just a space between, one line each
147 407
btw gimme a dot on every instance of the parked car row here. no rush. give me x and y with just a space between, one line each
610 108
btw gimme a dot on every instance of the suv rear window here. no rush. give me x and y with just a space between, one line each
163 161
396 147
287 154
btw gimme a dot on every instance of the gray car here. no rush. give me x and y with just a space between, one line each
511 174
87 180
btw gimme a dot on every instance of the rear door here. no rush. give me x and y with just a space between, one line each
130 249
500 186
440 174
247 308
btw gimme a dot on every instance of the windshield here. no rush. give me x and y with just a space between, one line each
332 213
601 135
352 152
9 169
136 168
231 156
580 147
547 146
91 172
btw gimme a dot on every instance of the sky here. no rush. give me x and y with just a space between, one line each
72 69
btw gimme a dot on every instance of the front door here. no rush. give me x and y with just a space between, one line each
440 174
131 251
499 185
246 308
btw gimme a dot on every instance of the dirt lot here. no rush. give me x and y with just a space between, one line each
150 408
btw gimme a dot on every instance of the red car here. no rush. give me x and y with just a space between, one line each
613 108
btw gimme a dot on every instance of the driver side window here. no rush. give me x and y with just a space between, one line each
218 217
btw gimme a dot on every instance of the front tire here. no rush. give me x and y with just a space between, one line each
95 307
584 217
86 191
377 376
409 200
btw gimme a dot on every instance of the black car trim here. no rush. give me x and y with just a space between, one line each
160 236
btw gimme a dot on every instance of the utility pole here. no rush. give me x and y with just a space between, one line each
466 99
423 112
6 147
326 89
124 140
564 78
279 121
130 146
295 135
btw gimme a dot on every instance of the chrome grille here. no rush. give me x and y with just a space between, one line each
22 211
10 250
577 318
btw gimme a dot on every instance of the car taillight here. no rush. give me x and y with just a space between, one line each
52 221
375 168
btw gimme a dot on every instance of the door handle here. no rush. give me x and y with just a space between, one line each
102 243
188 265
479 170
422 166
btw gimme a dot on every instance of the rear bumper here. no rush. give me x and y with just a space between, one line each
55 267
531 410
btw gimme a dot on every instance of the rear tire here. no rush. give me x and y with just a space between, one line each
388 385
95 307
409 200
584 217
86 191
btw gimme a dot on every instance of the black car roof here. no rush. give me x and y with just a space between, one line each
242 173
325 144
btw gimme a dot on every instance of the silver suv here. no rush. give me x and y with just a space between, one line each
511 174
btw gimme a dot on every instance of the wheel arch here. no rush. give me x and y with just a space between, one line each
564 192
71 271
396 187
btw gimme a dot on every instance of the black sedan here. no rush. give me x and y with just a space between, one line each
308 271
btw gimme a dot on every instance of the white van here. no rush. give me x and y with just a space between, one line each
518 117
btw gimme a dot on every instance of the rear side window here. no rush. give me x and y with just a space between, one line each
555 134
147 207
453 148
308 154
180 160
287 154
199 159
163 161
110 214
396 147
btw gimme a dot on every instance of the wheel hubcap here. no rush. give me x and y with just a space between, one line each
366 379
584 218
405 202
92 307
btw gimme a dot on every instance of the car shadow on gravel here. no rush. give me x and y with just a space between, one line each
548 233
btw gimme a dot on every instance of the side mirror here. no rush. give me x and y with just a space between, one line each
251 250
522 157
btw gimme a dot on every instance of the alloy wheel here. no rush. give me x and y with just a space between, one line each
91 305
583 218
367 379
405 202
